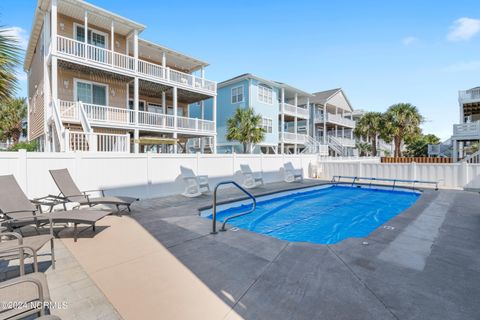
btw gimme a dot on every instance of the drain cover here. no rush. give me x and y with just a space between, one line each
234 229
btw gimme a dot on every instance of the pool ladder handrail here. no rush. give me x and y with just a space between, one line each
214 205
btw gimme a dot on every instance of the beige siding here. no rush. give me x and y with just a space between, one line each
65 28
117 94
35 93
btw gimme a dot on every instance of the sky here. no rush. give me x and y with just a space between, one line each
379 52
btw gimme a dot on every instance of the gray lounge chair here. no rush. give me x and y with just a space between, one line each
21 246
24 296
18 211
72 193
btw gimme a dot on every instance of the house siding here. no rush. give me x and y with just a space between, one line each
36 95
65 28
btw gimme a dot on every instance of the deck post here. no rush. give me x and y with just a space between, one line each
214 118
282 122
85 33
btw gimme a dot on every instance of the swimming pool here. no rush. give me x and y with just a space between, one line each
323 215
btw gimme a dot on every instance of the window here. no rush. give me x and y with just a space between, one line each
88 92
267 124
96 38
155 108
265 94
237 94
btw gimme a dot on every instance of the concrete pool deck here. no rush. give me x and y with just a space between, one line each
162 263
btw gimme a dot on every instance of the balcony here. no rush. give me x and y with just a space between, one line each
467 130
290 109
335 119
290 137
118 62
468 96
114 117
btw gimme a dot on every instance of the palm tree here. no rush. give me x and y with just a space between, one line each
370 125
12 113
244 127
402 121
9 60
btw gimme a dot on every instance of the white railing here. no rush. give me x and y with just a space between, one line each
112 115
345 142
59 128
152 119
99 113
291 137
68 110
93 53
98 142
469 95
467 129
80 50
195 124
151 69
335 118
295 111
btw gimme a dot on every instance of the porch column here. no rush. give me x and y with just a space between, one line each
136 136
296 99
164 60
343 132
175 123
214 118
164 102
306 121
295 129
112 41
336 131
135 49
282 120
53 26
325 124
85 29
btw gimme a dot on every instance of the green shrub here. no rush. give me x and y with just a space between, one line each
29 146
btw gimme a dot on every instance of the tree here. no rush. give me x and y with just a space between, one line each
418 146
402 122
245 127
363 148
370 125
12 113
9 60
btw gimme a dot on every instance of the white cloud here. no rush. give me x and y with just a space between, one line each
409 40
18 33
463 29
463 66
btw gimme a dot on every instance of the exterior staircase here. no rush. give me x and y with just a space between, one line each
83 138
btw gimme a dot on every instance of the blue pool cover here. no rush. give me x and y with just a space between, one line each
323 216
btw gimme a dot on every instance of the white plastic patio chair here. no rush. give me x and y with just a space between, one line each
292 174
196 185
252 179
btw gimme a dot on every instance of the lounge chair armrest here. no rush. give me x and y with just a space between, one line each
203 178
24 279
33 219
102 191
14 235
21 249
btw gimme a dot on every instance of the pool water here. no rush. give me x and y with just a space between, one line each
324 215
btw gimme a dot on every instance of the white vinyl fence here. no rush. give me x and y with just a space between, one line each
139 175
449 176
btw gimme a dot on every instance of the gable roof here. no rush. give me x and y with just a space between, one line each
323 96
245 76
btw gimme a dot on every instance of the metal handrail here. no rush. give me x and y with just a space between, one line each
214 206
385 179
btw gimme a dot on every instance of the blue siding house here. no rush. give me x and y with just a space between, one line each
284 121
